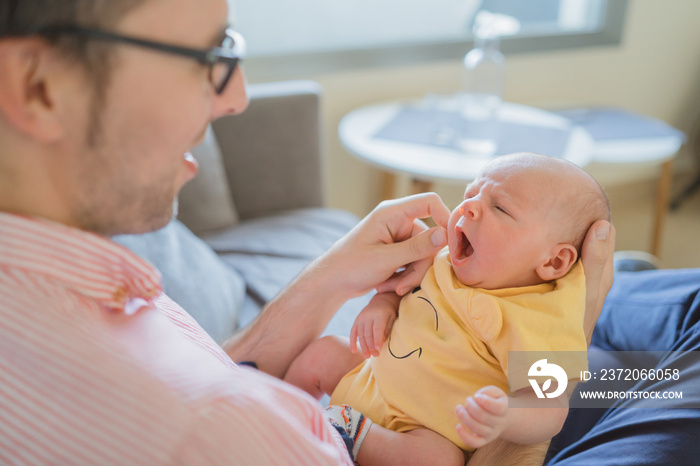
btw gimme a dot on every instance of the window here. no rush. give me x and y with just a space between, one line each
307 36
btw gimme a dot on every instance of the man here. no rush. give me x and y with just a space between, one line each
99 103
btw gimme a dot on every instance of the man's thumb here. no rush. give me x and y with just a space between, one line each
438 237
425 244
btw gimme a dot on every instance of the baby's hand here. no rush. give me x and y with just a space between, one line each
373 325
483 417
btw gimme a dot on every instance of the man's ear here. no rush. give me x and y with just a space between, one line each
560 260
27 103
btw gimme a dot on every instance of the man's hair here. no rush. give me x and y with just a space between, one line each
23 18
26 18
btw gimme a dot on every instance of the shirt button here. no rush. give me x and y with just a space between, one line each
119 295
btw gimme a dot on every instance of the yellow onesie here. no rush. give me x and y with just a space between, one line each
450 340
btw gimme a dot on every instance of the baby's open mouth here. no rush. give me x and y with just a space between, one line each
464 247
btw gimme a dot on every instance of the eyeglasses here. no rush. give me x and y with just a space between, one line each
221 60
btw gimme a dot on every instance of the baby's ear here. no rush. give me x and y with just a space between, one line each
562 257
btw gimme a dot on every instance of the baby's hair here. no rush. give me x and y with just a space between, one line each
583 209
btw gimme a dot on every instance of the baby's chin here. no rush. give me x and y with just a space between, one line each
466 276
465 267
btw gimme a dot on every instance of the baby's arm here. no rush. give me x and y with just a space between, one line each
486 416
373 325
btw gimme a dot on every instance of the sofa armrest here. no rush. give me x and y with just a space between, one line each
272 152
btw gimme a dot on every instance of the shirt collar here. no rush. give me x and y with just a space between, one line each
87 263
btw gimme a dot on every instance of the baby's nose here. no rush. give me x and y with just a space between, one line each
470 209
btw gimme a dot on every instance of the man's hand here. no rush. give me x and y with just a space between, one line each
390 249
373 325
483 416
596 256
390 238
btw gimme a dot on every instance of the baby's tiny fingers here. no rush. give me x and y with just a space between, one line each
369 339
476 411
471 439
353 339
361 340
495 406
468 420
364 346
378 337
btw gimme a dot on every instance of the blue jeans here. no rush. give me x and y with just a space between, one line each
657 311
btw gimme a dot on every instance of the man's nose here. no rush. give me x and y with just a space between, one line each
234 99
471 209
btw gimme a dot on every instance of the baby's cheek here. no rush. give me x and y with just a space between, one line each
463 274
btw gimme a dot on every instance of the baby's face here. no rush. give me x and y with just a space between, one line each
501 232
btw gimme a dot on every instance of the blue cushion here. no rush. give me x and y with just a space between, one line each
268 252
193 276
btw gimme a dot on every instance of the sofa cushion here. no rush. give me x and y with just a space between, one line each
269 252
206 203
272 152
193 276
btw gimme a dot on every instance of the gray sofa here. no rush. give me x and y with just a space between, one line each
253 217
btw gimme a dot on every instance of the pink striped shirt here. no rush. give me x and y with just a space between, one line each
98 366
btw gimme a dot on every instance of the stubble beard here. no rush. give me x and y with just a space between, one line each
111 201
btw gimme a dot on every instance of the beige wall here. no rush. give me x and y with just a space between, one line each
655 71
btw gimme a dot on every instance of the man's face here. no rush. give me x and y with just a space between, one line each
500 233
156 108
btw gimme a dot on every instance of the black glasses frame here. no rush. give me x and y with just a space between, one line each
227 54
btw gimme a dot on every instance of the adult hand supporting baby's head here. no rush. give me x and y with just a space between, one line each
596 256
390 238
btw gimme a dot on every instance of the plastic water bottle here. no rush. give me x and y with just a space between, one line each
484 77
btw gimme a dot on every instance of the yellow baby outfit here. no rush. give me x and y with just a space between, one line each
450 340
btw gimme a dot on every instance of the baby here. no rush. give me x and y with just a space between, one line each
509 280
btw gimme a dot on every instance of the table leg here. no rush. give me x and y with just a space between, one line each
662 194
418 186
388 186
